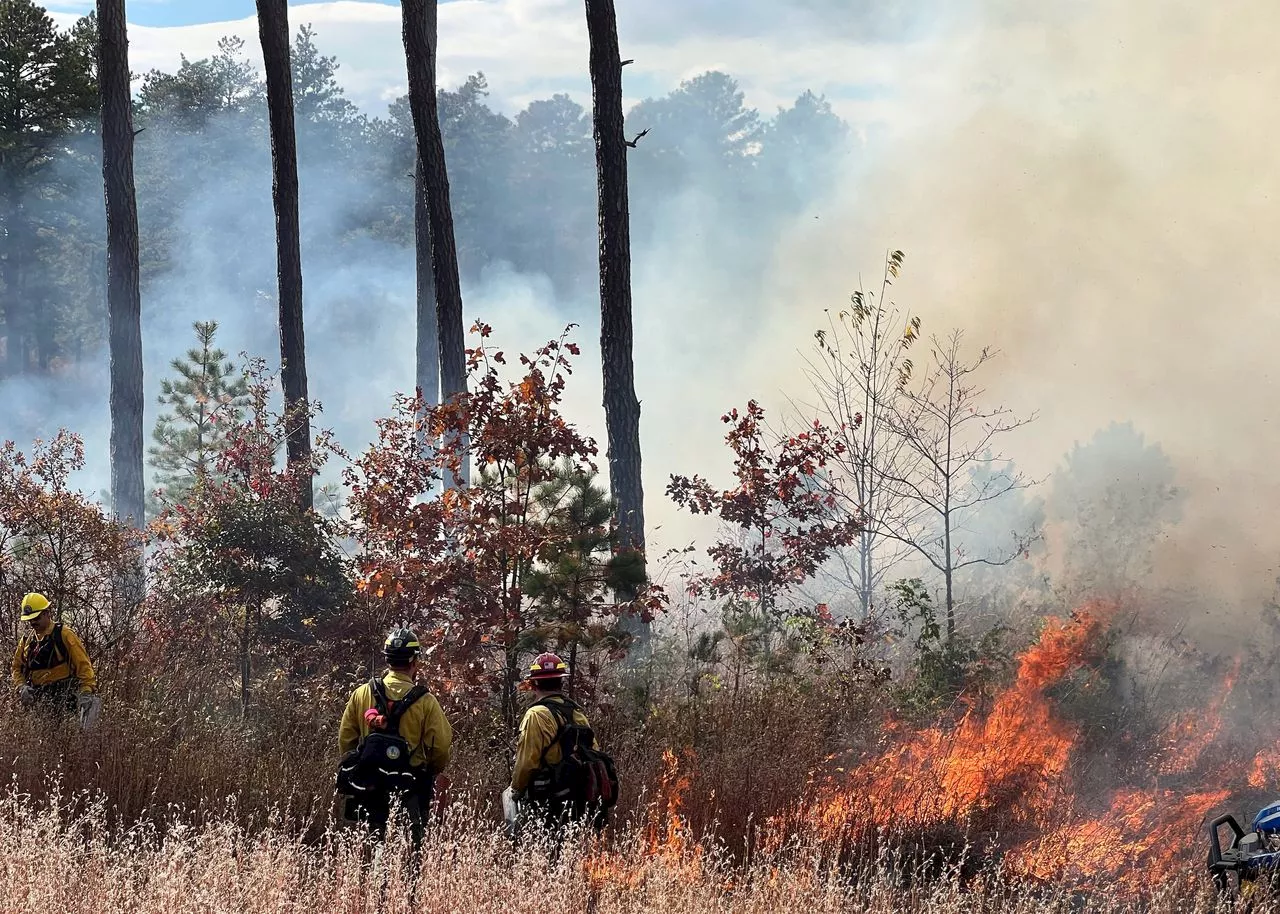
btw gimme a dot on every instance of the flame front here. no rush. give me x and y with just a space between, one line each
1015 777
1012 759
666 838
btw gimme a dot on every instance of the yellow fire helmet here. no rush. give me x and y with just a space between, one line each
33 604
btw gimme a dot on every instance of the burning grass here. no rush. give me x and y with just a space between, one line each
1012 801
81 864
1014 777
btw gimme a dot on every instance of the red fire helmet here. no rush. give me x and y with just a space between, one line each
548 666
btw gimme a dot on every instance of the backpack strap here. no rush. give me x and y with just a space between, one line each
403 704
393 710
56 650
563 710
379 692
557 702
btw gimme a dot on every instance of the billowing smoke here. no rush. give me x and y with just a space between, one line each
1088 186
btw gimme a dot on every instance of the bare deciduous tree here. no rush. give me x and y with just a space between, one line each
946 431
860 369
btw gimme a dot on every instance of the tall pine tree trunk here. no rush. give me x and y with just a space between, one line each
419 26
273 27
427 374
124 304
622 409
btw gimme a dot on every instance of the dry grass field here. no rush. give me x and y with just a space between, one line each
80 865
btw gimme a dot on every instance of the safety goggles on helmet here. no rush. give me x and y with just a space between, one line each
401 644
33 604
548 666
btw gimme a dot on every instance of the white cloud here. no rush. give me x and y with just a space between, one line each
532 48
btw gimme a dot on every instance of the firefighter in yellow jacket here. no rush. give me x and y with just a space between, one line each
539 750
50 666
394 741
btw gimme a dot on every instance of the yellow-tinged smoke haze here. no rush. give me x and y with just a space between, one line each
1091 189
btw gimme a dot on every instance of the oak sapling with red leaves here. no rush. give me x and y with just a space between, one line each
459 563
781 512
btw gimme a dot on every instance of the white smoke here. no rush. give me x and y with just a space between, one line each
1088 186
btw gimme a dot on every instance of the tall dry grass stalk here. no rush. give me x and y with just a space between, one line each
79 863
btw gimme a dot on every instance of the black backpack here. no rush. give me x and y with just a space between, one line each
380 763
51 652
584 776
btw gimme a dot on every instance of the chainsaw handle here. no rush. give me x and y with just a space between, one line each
1215 842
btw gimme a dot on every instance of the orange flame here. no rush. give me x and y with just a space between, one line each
1264 772
1013 771
666 833
1147 832
1010 772
1185 740
1014 757
666 839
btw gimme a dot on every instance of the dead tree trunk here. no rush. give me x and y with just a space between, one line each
124 303
622 409
419 26
273 28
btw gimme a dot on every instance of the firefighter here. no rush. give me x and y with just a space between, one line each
394 741
545 794
50 666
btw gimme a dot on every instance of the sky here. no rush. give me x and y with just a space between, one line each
176 12
533 48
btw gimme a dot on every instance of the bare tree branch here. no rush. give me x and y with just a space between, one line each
945 426
639 136
859 366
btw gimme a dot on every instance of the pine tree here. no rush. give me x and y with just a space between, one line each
124 303
48 90
273 28
433 220
205 399
571 587
621 407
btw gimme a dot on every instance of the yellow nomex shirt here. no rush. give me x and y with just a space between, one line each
423 726
41 661
538 733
